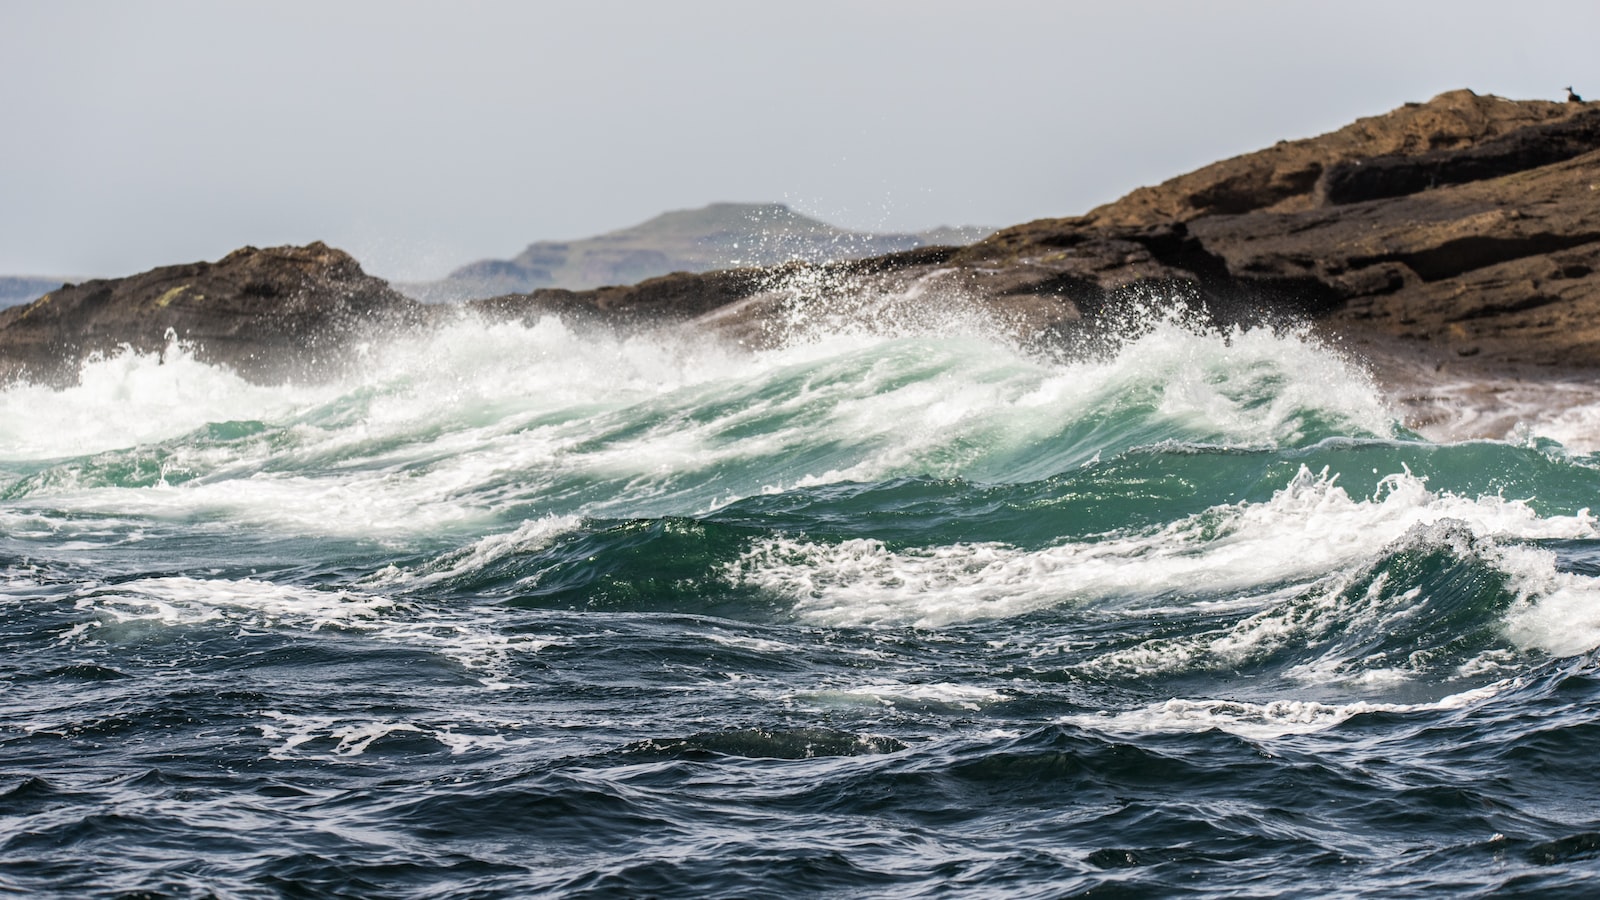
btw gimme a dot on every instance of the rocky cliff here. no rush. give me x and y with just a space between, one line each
1467 227
1470 224
1464 231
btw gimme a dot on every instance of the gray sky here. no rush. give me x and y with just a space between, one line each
420 136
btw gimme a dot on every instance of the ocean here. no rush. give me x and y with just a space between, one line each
874 610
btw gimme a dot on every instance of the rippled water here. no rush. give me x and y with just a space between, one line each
893 612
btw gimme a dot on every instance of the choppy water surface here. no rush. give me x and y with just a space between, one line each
886 613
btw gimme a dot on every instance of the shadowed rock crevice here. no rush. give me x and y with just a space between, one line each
1532 301
1254 189
1466 254
1355 181
1177 248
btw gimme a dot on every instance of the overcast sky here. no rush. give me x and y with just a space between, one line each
420 136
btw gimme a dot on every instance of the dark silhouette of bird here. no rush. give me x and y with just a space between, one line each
1573 98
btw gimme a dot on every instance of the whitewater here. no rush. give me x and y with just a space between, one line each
870 610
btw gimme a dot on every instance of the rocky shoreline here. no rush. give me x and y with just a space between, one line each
1448 241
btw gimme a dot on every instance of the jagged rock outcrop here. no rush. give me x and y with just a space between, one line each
1468 226
270 314
1468 223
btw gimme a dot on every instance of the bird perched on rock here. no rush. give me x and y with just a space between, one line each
1573 98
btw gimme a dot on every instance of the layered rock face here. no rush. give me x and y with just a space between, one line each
1467 227
271 314
1468 223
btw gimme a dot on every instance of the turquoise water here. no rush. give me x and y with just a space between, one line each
877 611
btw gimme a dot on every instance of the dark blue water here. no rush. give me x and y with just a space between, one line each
519 611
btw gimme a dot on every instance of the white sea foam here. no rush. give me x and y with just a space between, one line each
1552 612
1575 425
745 642
182 601
134 398
1555 612
471 638
1253 385
310 735
1261 721
922 695
1308 529
377 506
530 536
352 738
1567 412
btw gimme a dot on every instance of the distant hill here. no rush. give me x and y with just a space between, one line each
15 289
719 236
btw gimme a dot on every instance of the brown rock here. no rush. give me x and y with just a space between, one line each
1477 233
270 314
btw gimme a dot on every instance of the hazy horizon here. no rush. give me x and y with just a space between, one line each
422 137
